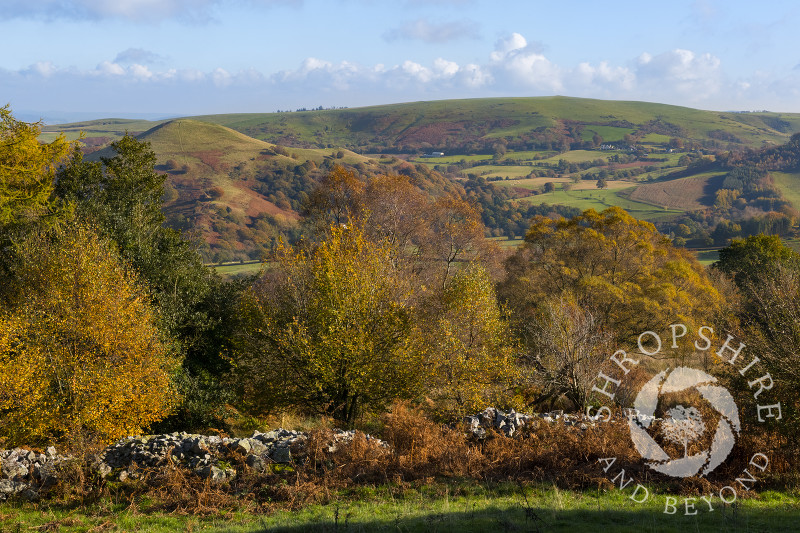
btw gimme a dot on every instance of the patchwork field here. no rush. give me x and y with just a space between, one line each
685 194
531 184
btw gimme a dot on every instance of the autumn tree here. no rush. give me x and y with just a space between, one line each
566 346
471 357
80 355
328 330
394 209
618 267
745 260
767 273
27 168
121 196
335 201
455 234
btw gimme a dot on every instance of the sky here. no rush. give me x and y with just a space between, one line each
78 59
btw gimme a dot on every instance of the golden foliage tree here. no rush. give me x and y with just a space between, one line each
566 347
471 359
79 353
328 330
622 269
27 167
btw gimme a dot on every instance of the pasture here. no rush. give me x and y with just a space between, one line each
443 506
599 199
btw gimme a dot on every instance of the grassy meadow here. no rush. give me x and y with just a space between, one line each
442 506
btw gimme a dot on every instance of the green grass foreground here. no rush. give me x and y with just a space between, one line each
436 507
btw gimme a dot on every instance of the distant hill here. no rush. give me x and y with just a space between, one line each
476 124
240 180
239 193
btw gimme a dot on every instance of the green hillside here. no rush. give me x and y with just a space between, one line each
461 125
470 123
239 193
240 180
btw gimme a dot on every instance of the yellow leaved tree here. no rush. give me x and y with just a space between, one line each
472 361
80 356
27 167
328 330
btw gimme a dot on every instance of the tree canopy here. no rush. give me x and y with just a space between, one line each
27 168
329 330
620 268
80 355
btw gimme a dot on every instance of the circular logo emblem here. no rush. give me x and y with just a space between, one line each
682 424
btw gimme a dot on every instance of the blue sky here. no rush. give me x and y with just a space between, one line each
85 58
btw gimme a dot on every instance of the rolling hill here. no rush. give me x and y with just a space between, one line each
240 180
222 183
458 125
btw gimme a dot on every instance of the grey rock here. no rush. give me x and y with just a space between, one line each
8 486
257 447
256 462
242 446
104 469
281 454
215 473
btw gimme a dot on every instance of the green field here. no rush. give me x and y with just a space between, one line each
577 156
238 269
789 185
460 507
600 199
489 171
707 257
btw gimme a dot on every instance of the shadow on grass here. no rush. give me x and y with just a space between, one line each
539 519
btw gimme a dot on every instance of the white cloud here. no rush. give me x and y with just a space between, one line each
444 68
110 69
603 75
519 64
504 47
138 55
693 76
514 67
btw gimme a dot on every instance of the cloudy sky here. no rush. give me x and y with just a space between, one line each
90 58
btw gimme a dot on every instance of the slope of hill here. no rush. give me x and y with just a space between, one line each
474 125
239 193
241 179
477 124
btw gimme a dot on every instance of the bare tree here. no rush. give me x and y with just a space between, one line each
566 345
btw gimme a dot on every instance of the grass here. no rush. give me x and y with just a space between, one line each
442 506
238 269
789 185
488 171
707 257
537 183
599 199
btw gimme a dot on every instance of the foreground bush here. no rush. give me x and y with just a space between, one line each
80 356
